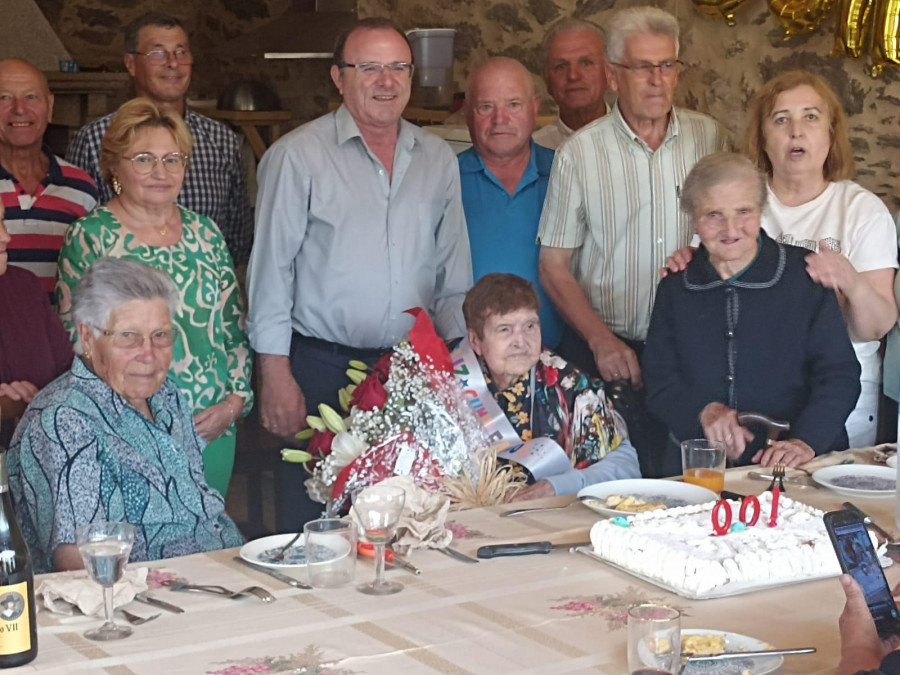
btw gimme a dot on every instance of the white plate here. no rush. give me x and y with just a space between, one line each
670 492
891 461
262 551
853 478
734 642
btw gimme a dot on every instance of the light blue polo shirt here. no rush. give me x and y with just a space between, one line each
503 227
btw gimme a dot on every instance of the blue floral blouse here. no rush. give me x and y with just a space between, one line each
82 454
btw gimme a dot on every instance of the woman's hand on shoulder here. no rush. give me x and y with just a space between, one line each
720 423
678 261
831 269
20 390
791 452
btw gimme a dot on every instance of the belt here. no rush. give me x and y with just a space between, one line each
339 349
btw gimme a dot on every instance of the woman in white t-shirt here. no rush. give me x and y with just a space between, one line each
796 133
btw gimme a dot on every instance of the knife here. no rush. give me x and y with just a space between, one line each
750 655
155 602
499 550
284 578
805 481
456 555
868 521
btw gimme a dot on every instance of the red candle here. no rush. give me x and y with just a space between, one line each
773 517
720 528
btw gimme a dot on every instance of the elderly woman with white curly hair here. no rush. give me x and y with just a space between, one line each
113 438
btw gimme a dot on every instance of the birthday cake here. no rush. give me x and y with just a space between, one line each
679 548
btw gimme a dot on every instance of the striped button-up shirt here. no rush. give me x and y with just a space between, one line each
214 184
617 201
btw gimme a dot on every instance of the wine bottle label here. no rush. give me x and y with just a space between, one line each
15 633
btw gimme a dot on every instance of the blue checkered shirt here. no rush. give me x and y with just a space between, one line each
214 185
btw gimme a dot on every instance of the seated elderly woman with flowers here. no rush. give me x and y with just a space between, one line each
540 393
113 438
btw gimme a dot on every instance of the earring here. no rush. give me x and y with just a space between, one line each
116 185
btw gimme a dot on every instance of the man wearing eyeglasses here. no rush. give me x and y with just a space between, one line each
575 74
42 193
159 59
359 218
612 210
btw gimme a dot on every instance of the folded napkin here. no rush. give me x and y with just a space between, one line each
66 592
876 454
422 520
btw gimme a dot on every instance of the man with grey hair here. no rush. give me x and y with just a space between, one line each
611 214
575 74
159 59
504 178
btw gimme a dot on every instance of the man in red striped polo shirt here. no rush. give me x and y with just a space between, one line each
42 193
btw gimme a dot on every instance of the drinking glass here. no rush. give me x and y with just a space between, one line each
654 640
378 509
703 463
105 547
330 552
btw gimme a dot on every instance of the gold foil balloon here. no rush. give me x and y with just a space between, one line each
886 38
800 16
852 27
720 9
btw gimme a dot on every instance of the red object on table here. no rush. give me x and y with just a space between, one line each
368 550
750 501
720 527
773 518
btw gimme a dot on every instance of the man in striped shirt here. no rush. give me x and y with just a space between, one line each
611 214
41 193
159 59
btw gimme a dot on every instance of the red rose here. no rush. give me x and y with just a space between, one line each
551 376
382 367
370 394
320 443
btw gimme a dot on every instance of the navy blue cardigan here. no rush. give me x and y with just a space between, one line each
771 341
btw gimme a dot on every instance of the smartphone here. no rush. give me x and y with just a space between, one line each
857 556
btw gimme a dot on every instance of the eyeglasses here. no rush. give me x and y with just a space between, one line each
160 56
666 68
145 162
372 69
129 339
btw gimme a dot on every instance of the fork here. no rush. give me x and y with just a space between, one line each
777 476
136 620
258 591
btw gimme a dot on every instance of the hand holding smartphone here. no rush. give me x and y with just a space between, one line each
858 558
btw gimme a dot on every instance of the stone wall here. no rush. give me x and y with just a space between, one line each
724 65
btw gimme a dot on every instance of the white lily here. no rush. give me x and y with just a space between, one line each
553 360
345 448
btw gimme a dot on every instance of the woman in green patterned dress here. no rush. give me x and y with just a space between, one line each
144 157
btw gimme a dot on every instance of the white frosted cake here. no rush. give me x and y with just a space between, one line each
676 547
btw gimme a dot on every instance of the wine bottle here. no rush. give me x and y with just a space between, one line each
18 620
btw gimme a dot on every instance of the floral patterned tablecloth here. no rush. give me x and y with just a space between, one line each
555 613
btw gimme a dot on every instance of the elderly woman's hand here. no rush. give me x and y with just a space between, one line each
18 390
720 423
791 452
861 648
539 490
212 422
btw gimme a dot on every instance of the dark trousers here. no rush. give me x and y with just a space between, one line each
320 368
647 434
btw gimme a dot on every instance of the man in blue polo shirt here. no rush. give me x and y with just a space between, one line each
504 178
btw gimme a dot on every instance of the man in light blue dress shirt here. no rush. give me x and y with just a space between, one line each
358 218
504 179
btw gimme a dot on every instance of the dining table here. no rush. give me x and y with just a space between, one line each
561 612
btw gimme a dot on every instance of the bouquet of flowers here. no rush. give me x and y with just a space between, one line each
407 416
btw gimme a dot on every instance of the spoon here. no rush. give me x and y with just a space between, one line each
284 549
577 500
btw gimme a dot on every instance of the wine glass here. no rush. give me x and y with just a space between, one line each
105 547
378 508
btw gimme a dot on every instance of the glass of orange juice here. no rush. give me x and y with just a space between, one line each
703 463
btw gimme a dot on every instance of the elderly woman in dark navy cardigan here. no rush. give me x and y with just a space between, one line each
744 328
